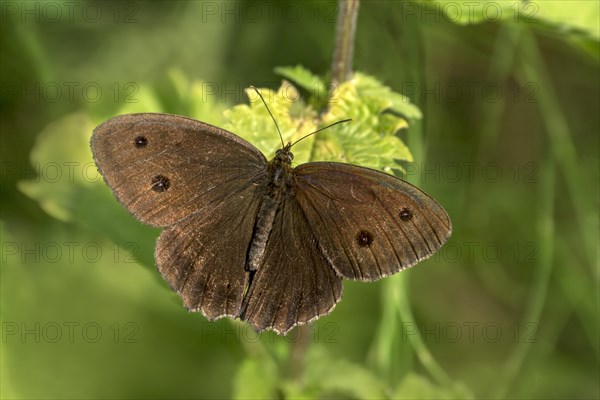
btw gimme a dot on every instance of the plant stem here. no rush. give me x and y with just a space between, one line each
341 68
297 352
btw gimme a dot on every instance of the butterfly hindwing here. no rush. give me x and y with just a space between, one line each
369 224
163 167
202 257
295 284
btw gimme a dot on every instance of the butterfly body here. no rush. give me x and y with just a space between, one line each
262 241
278 185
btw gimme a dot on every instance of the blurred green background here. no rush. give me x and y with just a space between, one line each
508 144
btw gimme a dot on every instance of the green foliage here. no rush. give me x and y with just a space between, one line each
417 387
333 376
256 378
253 122
557 13
369 139
554 17
66 139
303 78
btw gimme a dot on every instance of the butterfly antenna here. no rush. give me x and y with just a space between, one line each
322 129
267 107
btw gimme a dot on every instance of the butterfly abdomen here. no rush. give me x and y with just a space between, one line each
277 186
262 229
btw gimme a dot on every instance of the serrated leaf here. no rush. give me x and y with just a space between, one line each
386 99
302 77
369 139
253 122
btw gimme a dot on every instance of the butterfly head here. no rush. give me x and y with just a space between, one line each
284 156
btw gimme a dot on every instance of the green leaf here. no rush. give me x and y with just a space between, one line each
559 14
370 88
295 119
69 187
194 99
319 91
302 77
256 378
562 15
326 374
417 387
369 140
471 12
62 160
175 95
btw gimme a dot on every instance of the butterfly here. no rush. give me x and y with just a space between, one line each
263 241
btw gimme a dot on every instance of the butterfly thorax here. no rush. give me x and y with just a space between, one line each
277 186
280 171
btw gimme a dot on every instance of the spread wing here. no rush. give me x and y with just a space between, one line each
295 284
202 257
200 182
163 167
368 224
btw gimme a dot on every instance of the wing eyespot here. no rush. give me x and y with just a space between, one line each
140 141
405 214
364 238
160 183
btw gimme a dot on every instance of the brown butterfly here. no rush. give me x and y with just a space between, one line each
261 241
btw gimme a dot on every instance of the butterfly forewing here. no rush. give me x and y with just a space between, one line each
368 224
165 167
